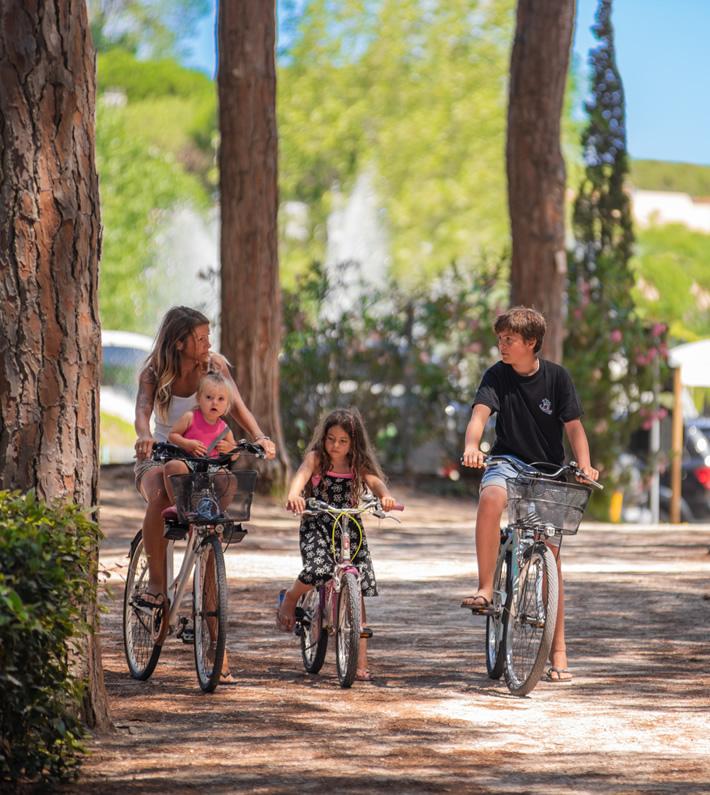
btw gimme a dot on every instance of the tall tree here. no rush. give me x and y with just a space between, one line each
251 298
50 344
610 351
536 169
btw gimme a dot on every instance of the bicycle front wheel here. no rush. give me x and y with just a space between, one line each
142 652
531 623
209 587
497 622
314 640
347 634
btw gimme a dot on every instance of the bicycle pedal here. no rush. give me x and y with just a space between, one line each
366 632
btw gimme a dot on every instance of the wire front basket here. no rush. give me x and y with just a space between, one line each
536 502
208 497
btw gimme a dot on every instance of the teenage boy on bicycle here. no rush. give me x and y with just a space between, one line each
535 400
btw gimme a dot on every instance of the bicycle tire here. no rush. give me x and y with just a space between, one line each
314 640
497 623
347 631
141 650
531 623
209 612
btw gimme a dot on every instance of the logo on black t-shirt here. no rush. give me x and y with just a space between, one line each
546 406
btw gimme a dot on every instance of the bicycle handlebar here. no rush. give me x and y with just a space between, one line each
572 469
165 451
372 505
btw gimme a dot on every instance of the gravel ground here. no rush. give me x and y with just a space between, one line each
635 719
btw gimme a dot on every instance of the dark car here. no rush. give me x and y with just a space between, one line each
695 470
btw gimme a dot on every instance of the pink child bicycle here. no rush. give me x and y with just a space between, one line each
335 608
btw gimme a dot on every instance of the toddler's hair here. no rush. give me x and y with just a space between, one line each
523 320
216 380
362 457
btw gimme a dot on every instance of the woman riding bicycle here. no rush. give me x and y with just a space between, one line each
535 401
167 388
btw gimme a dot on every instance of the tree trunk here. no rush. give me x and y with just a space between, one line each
536 169
251 298
50 341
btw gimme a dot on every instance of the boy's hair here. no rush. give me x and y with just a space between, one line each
216 379
529 323
363 459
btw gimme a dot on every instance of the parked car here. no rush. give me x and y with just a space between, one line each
123 355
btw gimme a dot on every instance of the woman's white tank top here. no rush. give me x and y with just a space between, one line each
178 406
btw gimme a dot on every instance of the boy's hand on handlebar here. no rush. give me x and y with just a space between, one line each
473 457
589 472
296 504
144 447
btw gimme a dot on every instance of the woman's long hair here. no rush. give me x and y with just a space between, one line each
164 360
362 457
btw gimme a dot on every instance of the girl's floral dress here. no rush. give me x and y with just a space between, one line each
316 536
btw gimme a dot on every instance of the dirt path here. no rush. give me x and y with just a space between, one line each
635 720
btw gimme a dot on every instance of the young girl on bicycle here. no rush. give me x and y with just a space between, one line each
339 465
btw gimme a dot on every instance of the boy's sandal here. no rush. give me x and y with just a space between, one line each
477 604
151 600
226 678
559 676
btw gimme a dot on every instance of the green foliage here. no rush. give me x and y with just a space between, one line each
47 576
664 176
611 353
415 94
139 185
401 358
672 265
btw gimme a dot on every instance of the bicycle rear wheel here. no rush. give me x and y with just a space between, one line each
531 623
209 588
347 633
142 652
497 623
314 640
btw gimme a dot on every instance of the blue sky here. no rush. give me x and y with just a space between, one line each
663 53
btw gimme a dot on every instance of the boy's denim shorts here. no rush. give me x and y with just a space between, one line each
500 472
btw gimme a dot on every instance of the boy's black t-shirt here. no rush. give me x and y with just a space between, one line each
531 410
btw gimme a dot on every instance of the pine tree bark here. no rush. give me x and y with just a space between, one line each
50 340
536 169
251 297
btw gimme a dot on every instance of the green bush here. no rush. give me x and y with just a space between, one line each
47 575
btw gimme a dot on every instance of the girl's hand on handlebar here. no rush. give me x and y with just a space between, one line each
388 502
224 447
296 504
473 457
194 447
144 447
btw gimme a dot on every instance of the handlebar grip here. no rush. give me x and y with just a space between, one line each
398 507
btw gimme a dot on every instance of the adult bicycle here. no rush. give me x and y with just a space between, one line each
211 501
335 608
544 501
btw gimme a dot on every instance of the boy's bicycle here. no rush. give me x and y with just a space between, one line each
201 497
335 607
520 624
